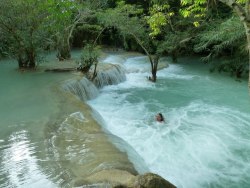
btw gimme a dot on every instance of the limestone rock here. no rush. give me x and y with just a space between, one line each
111 175
150 180
114 178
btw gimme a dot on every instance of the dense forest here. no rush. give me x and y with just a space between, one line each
218 31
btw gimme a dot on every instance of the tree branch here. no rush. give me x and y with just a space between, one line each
10 30
247 7
238 8
99 34
142 46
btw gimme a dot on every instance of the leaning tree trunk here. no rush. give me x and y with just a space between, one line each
244 15
22 62
63 50
64 45
31 58
247 28
154 59
154 64
95 72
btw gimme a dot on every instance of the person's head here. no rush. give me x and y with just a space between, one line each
159 117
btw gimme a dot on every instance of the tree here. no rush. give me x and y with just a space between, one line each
89 57
240 7
224 39
130 21
63 16
23 31
242 10
199 9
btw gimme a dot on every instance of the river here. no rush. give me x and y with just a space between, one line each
205 141
26 104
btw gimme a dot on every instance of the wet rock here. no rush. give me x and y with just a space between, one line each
112 178
121 179
149 180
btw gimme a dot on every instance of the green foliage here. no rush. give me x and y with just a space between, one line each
226 39
23 31
195 9
60 14
89 57
158 27
159 16
96 4
65 16
125 19
241 1
62 17
219 37
130 22
236 65
120 16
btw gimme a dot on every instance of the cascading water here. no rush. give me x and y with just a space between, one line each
84 89
111 75
49 138
205 141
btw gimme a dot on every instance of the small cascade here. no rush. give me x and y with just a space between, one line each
84 89
111 74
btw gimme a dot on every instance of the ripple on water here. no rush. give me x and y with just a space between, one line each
19 166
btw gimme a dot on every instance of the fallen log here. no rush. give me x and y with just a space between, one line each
60 70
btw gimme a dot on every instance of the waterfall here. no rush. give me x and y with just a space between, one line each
110 74
84 89
107 74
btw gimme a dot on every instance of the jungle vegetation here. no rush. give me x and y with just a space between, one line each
211 29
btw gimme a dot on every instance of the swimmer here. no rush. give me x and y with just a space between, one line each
159 117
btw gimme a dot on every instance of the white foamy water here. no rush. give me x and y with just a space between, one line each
79 116
114 59
205 141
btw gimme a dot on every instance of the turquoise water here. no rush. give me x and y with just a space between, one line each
27 102
205 141
48 137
